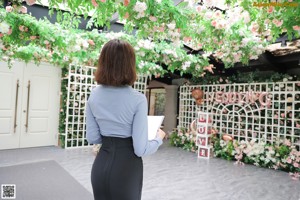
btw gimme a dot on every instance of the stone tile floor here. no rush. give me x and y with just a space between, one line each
174 174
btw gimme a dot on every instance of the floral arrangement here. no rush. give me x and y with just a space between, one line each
281 155
184 139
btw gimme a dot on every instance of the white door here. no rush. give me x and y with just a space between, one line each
33 109
10 104
40 105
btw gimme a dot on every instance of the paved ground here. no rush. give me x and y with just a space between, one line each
174 174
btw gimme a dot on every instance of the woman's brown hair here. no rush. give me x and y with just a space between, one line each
116 64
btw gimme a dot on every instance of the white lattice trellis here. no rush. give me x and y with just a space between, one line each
80 84
246 111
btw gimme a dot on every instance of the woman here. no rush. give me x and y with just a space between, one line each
116 117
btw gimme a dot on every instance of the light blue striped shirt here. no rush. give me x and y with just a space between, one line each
119 112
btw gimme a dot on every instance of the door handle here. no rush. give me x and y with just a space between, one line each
16 106
28 98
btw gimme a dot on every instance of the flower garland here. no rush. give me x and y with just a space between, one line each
239 27
24 38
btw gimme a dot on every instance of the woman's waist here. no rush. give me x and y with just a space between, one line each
116 142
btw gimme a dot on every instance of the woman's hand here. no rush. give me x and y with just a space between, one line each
161 133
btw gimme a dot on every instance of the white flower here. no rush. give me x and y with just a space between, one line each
246 17
281 85
289 88
140 7
85 44
285 80
209 3
4 58
142 54
4 27
186 65
77 48
147 44
171 25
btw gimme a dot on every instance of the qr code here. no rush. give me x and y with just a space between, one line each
8 191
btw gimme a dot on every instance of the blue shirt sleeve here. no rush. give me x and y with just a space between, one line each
93 135
142 146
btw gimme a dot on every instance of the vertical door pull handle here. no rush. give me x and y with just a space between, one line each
28 98
16 106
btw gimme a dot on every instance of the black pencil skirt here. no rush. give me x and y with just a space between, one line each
117 173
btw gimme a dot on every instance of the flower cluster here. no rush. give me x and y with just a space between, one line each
140 8
184 139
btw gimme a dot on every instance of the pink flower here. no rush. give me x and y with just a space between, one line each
209 68
289 160
23 10
1 35
275 116
198 8
161 29
298 125
103 1
153 19
126 2
277 22
30 2
270 148
187 39
9 31
218 13
9 9
270 10
287 142
33 37
22 28
254 27
91 42
214 23
94 3
239 157
296 28
296 165
267 21
126 16
282 115
46 42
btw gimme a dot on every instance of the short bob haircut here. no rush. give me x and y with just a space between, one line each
116 64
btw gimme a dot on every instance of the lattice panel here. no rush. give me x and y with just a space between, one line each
80 84
259 110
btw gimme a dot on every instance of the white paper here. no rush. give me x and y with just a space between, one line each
154 123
